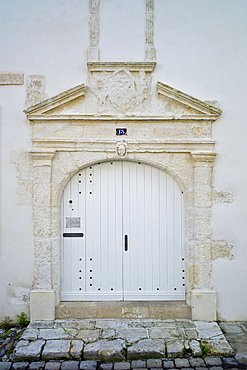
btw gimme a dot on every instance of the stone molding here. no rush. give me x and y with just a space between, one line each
57 101
187 100
114 66
11 78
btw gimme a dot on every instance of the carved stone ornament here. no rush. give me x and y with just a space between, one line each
121 149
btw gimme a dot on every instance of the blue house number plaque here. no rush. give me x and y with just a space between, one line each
121 131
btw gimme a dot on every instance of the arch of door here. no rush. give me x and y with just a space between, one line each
122 234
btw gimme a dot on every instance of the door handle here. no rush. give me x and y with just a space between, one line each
126 246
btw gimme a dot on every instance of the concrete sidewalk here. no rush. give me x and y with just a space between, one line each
129 344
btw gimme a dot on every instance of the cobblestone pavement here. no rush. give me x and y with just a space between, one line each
129 344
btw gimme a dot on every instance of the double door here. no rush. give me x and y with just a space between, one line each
122 234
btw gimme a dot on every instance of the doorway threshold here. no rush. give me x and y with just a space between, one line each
123 310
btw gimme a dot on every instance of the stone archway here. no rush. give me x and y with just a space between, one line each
173 133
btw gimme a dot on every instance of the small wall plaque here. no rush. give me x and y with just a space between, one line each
73 222
121 131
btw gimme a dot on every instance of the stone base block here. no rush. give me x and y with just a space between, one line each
42 305
203 305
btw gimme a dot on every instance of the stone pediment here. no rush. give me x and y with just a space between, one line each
122 90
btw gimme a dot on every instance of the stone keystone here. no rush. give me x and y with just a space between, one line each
105 350
145 349
25 350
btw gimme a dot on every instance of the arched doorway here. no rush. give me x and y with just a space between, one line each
122 234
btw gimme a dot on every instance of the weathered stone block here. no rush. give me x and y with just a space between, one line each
56 349
132 335
11 78
42 305
108 366
53 365
88 365
122 365
88 335
138 364
28 350
197 362
154 363
105 350
5 365
20 365
174 348
38 365
213 361
145 349
76 348
70 365
203 305
58 333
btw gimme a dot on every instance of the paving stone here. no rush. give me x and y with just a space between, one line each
111 323
216 368
219 348
154 363
30 334
58 333
88 335
70 365
242 359
88 365
122 365
168 364
132 335
76 348
25 350
20 365
41 325
231 328
138 364
197 362
213 361
107 366
108 334
195 347
200 368
164 333
38 365
56 349
182 362
111 350
229 362
175 348
53 365
146 348
5 365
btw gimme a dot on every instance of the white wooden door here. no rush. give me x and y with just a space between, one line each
122 234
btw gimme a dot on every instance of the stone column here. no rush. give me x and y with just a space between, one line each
42 297
203 298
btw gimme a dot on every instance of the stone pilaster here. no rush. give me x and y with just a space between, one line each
42 297
94 30
150 53
203 297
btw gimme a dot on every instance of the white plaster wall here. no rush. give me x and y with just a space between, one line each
201 50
